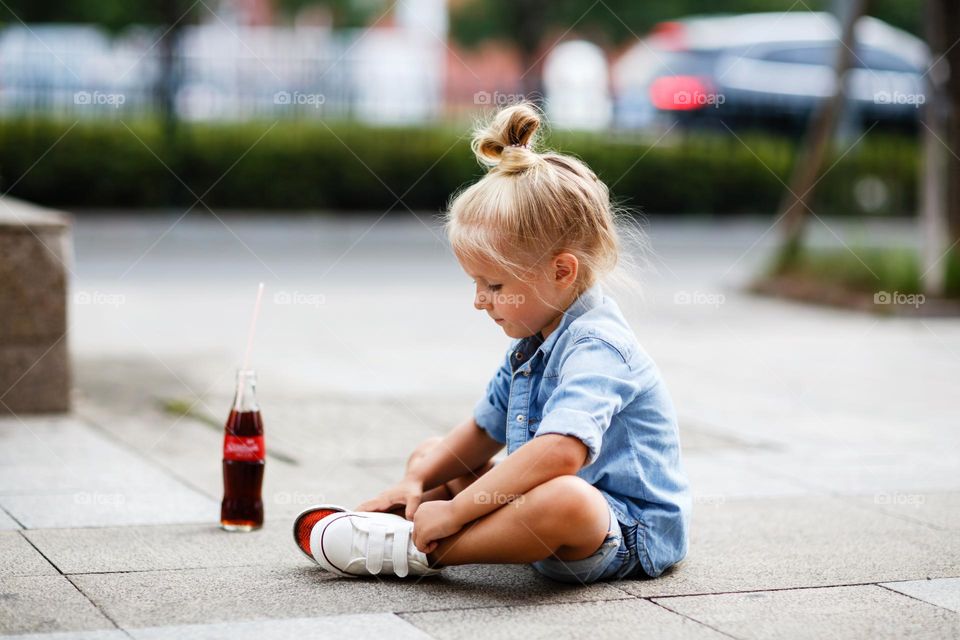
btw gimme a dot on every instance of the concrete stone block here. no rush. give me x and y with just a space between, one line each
851 612
35 253
232 594
44 604
612 619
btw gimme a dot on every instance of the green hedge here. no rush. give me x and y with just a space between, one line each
349 166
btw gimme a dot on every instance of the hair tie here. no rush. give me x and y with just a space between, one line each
522 146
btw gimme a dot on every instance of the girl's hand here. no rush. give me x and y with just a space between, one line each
408 491
434 521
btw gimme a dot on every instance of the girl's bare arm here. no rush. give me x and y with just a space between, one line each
465 448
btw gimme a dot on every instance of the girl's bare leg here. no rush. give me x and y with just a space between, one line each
566 518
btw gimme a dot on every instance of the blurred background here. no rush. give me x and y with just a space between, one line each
345 104
195 82
163 157
797 149
793 164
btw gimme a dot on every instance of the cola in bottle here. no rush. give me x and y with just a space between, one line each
243 459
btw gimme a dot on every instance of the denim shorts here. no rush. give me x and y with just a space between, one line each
616 558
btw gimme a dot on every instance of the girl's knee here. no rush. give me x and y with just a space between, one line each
564 485
571 498
430 442
482 469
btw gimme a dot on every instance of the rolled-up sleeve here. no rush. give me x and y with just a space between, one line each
595 384
490 412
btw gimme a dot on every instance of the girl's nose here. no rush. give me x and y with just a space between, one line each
481 300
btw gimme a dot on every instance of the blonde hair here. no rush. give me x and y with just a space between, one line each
530 206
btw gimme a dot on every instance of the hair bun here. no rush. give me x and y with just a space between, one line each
506 142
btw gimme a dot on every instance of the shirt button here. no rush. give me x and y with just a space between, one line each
519 417
525 372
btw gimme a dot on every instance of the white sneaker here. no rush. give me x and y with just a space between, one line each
304 523
366 543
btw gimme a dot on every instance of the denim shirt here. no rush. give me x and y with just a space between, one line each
592 380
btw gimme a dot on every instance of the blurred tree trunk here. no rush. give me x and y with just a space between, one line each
531 24
940 199
816 142
168 80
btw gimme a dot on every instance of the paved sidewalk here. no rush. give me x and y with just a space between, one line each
822 445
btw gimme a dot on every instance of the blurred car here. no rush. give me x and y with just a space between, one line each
766 70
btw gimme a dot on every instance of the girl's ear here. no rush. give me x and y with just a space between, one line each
565 267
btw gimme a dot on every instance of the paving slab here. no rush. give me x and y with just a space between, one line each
103 634
61 472
153 548
696 436
184 448
230 594
46 455
318 460
102 474
355 430
19 558
777 409
938 509
363 625
721 475
308 470
942 592
7 523
610 619
36 440
288 490
176 504
790 462
41 604
804 541
869 469
866 611
330 428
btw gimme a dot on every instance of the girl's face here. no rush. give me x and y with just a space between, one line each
522 307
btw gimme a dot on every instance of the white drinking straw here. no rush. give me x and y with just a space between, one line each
253 328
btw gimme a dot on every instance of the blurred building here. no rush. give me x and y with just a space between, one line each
234 66
764 69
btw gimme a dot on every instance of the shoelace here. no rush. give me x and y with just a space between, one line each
376 541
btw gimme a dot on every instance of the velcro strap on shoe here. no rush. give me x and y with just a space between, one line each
401 540
375 542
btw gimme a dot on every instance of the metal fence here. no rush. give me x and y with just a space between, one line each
221 72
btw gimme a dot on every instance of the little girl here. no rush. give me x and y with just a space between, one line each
592 487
